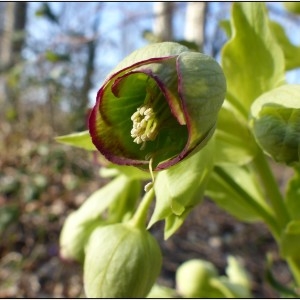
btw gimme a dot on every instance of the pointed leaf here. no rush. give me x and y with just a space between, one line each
291 52
78 139
252 60
234 140
229 187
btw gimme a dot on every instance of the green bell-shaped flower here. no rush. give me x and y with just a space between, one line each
275 119
122 261
159 103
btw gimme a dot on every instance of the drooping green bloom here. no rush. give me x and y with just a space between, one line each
159 103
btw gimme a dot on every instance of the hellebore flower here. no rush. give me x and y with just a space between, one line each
160 103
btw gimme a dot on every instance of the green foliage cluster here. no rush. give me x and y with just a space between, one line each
258 121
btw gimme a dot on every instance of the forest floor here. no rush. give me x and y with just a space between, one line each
43 181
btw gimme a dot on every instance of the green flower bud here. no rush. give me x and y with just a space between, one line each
193 279
159 103
275 119
121 262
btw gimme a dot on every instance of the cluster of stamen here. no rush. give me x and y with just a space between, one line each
144 125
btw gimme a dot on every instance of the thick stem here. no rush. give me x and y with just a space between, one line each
272 190
140 216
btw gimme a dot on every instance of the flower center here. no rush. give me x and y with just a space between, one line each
147 119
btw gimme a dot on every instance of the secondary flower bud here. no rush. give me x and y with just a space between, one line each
193 278
275 119
121 262
160 103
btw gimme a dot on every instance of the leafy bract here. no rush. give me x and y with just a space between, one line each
235 143
291 52
78 139
180 188
252 60
290 240
231 187
275 119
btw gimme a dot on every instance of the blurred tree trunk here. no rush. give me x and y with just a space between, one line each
11 43
83 102
82 110
195 23
163 20
12 35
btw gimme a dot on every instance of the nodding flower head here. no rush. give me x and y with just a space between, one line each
160 104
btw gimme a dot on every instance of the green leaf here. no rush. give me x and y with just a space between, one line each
129 171
275 119
290 240
291 52
45 11
252 60
78 139
55 57
236 190
180 188
293 196
79 225
234 140
293 7
225 25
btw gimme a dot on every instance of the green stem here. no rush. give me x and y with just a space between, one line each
261 211
272 190
140 216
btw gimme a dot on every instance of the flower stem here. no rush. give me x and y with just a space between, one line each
271 188
140 216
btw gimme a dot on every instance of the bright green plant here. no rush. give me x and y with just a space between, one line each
160 117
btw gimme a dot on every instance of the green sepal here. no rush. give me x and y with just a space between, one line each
193 279
78 139
121 261
180 188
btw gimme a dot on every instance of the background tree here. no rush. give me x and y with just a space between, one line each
195 23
